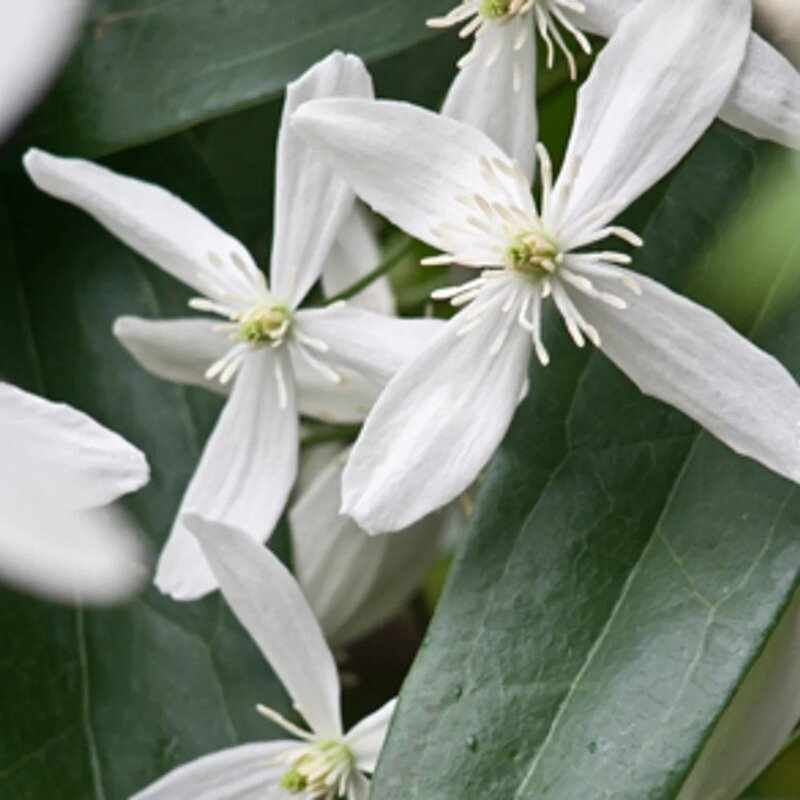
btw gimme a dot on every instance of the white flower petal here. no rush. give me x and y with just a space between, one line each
353 255
245 473
268 602
500 99
353 581
654 89
436 425
346 402
66 555
409 164
82 463
373 345
35 38
687 356
757 723
147 218
765 100
246 772
310 202
359 788
366 739
601 17
179 350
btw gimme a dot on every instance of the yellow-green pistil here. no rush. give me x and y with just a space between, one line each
494 9
320 771
533 255
263 324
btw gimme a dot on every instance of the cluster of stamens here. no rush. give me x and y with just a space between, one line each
318 768
525 256
255 319
478 17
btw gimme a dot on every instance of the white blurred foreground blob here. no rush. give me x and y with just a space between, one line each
320 762
35 39
59 473
779 21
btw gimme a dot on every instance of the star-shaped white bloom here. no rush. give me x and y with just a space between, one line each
35 37
642 108
321 763
321 362
59 473
495 89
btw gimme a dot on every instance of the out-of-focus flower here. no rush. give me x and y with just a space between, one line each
642 108
318 361
322 763
35 38
495 89
59 473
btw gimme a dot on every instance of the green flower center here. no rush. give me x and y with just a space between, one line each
533 255
264 324
322 771
494 9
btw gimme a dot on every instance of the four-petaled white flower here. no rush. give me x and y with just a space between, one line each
59 472
322 763
320 361
642 108
495 89
35 37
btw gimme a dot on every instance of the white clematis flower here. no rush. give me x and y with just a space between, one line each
495 89
642 108
322 763
35 38
59 472
249 464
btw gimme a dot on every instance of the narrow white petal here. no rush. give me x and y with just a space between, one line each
246 772
82 463
353 581
268 602
373 345
765 100
353 255
601 17
359 788
488 98
147 218
310 202
409 164
366 739
35 39
758 722
245 473
179 350
436 425
687 356
654 89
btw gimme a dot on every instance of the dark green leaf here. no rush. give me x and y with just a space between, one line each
147 68
622 572
98 704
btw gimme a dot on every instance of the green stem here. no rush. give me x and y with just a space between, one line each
395 256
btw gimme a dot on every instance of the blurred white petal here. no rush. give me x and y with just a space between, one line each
35 39
269 603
